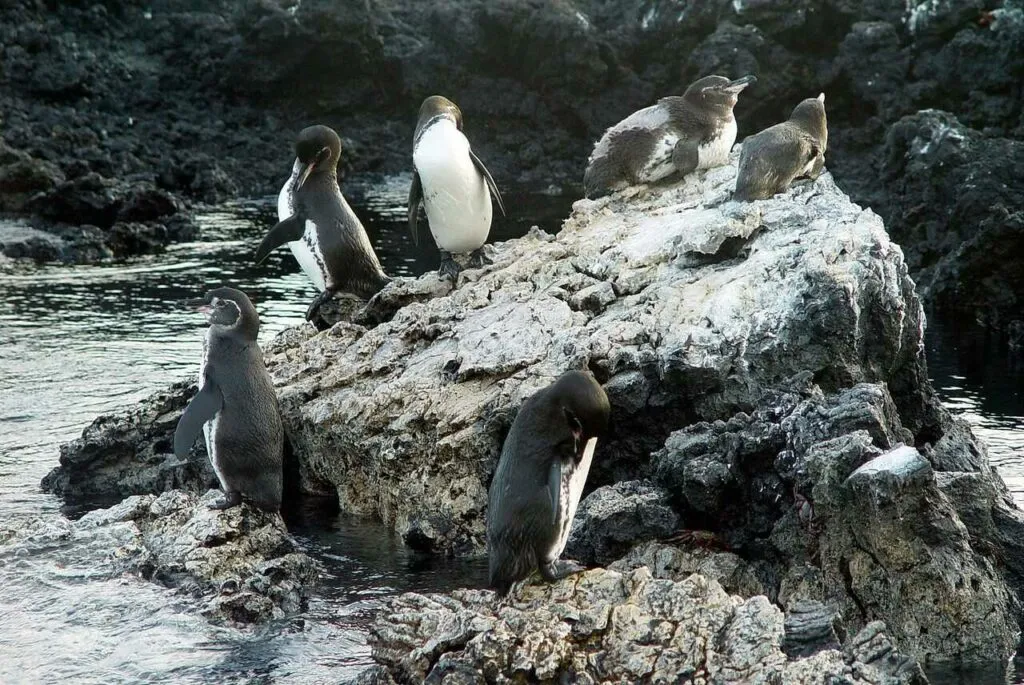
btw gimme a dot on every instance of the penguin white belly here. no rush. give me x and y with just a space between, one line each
715 152
455 194
573 480
210 427
306 251
659 165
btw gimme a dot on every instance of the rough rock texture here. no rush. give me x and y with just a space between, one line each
765 367
131 453
603 626
240 565
957 207
713 305
616 517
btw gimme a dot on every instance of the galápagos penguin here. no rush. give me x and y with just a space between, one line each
771 160
675 137
539 480
323 232
453 185
236 407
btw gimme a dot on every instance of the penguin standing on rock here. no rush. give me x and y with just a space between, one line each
323 232
236 407
539 480
453 185
675 137
772 159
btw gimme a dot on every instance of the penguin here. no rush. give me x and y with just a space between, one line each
323 232
236 407
772 159
540 476
677 136
453 185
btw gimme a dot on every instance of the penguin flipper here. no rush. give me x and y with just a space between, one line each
203 407
490 180
555 488
415 198
283 232
685 156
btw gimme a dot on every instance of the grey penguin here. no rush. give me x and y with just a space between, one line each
677 136
453 185
236 408
323 232
539 480
772 159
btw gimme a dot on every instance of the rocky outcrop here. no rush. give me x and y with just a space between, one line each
773 427
130 453
238 566
202 100
603 626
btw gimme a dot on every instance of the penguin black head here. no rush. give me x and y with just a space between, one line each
229 311
717 92
810 116
578 402
437 106
317 150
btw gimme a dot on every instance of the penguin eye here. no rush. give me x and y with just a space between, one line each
574 423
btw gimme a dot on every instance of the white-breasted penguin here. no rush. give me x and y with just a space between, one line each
677 136
771 160
323 232
453 185
236 406
539 480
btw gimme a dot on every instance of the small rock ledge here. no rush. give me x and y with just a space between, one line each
603 627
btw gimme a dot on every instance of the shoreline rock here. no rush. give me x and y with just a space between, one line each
768 384
602 626
239 566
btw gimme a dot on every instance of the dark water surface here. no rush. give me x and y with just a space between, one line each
76 342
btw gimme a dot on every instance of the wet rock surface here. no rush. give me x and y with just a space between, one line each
603 626
240 566
131 453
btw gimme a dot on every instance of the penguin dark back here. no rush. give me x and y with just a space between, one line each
539 480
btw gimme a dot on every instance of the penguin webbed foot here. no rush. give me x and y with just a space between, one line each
230 499
449 268
313 312
478 259
559 569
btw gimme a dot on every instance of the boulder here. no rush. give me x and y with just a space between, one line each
237 566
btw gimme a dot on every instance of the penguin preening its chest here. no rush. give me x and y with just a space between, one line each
236 407
677 136
771 160
323 232
539 480
453 185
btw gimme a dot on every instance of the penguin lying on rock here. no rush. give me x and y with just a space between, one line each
677 136
453 185
323 232
772 159
236 407
540 476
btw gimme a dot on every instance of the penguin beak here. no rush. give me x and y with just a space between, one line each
307 169
199 305
740 83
